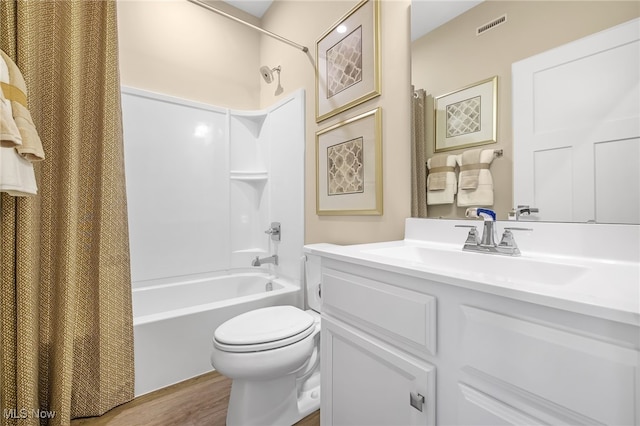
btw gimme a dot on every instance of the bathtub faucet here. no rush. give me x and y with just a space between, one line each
271 259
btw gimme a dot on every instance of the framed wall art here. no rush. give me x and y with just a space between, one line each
349 166
348 61
467 117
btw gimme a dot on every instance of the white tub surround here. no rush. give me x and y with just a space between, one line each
552 336
204 183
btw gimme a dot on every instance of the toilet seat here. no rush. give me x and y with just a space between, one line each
264 329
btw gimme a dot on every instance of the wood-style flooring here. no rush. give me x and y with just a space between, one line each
201 401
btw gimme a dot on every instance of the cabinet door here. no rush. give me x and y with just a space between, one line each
521 370
365 382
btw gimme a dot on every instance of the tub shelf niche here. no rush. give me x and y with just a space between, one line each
249 215
251 121
251 184
249 189
249 176
249 145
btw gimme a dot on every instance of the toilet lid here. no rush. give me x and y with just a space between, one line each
263 329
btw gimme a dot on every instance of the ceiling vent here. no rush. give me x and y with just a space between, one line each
491 25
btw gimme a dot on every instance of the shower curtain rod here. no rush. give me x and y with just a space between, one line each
269 33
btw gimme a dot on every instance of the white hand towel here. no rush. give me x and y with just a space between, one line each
470 166
9 133
16 173
480 193
447 193
437 179
31 147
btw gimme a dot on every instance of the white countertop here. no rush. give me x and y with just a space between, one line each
564 276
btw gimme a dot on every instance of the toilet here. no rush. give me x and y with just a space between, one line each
273 357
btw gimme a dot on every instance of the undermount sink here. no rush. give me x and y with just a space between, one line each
516 270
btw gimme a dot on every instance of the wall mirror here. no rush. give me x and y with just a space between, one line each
461 51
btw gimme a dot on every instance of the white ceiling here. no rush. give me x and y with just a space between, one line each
426 15
256 8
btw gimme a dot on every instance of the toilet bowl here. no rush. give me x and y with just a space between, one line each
273 357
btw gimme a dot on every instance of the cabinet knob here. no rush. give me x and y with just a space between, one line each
416 400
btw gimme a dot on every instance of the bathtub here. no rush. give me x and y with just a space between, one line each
173 323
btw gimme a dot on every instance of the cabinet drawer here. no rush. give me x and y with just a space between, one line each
406 317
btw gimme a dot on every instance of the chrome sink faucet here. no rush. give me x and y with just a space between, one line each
271 259
522 209
487 243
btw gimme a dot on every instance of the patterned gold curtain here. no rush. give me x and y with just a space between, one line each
418 154
65 299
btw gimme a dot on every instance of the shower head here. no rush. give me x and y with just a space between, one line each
267 73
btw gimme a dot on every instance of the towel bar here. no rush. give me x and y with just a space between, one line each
496 152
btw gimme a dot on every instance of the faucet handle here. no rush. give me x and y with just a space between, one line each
472 237
509 242
274 231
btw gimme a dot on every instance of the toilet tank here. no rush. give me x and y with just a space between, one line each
312 282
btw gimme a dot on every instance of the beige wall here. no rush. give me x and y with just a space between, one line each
452 57
180 49
304 22
177 48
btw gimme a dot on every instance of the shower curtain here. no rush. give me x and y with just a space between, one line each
418 154
65 299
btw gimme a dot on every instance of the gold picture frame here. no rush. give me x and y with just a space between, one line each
349 166
348 61
467 117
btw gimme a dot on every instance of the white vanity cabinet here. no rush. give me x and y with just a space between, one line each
388 332
372 338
